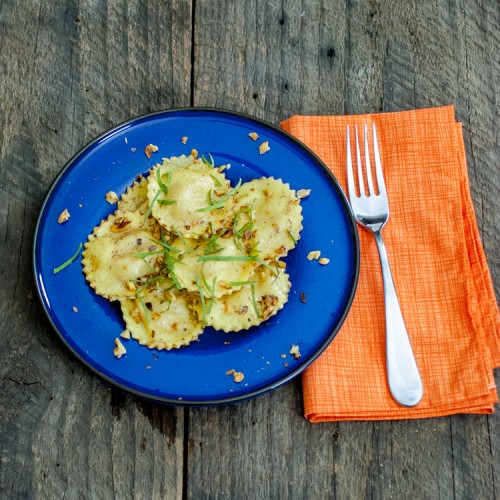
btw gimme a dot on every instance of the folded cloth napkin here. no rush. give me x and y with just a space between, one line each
439 270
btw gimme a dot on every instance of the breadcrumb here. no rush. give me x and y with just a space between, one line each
264 147
119 350
150 149
295 352
184 139
314 255
303 193
324 261
125 334
253 135
111 197
238 376
63 216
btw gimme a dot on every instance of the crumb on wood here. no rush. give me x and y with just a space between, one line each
63 216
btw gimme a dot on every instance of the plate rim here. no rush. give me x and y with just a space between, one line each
218 401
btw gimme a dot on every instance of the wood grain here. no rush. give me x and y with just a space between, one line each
71 69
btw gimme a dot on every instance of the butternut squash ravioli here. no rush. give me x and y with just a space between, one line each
185 249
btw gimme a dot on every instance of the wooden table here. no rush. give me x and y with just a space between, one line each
71 69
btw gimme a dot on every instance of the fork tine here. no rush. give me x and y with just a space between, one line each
350 176
378 165
359 165
368 166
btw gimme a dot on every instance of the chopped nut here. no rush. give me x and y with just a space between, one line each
125 334
111 197
150 149
75 309
238 376
63 216
121 224
253 135
314 255
303 193
295 352
324 261
184 139
119 350
264 147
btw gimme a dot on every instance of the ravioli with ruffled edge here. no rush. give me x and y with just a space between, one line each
185 250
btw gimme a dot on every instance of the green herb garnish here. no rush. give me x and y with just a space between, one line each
69 261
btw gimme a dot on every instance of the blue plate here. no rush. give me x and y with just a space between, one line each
196 374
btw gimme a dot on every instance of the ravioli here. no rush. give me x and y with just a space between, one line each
160 317
207 266
260 298
276 213
189 200
120 251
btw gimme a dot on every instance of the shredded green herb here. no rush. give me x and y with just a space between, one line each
241 283
204 258
213 206
291 237
210 163
254 301
167 202
69 261
153 201
202 299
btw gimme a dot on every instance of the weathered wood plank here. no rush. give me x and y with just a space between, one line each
70 70
367 58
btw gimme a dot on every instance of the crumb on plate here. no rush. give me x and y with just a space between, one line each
324 261
253 135
264 147
295 352
119 350
303 193
63 216
313 255
111 197
150 149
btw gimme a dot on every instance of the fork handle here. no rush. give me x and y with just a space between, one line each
403 376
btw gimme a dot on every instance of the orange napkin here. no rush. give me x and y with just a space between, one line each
439 270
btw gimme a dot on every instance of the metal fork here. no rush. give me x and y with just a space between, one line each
371 212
